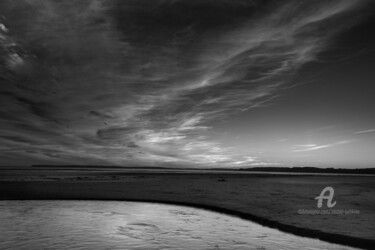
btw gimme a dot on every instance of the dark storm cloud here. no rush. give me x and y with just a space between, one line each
140 82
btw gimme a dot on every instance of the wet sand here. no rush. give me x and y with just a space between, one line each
269 199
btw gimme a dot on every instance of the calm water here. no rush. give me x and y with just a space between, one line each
134 225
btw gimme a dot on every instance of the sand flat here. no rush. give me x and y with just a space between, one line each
275 198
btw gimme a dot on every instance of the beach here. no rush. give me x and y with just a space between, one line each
282 201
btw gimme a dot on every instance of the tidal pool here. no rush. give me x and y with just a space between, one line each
135 225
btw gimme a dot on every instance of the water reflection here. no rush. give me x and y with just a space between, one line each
134 225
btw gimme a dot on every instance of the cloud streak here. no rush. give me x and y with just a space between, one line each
313 147
365 131
140 83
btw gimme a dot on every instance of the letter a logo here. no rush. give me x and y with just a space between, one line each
327 197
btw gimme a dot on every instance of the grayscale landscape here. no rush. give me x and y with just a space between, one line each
187 124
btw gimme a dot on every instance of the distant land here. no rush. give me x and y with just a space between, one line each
311 170
252 169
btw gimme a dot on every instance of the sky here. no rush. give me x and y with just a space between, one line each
178 83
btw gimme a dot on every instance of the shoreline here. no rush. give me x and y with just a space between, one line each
150 189
302 232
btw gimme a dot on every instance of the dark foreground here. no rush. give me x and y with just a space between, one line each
272 200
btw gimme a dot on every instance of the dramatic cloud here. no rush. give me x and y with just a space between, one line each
139 82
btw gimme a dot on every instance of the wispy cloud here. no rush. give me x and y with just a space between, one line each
313 147
365 131
141 82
